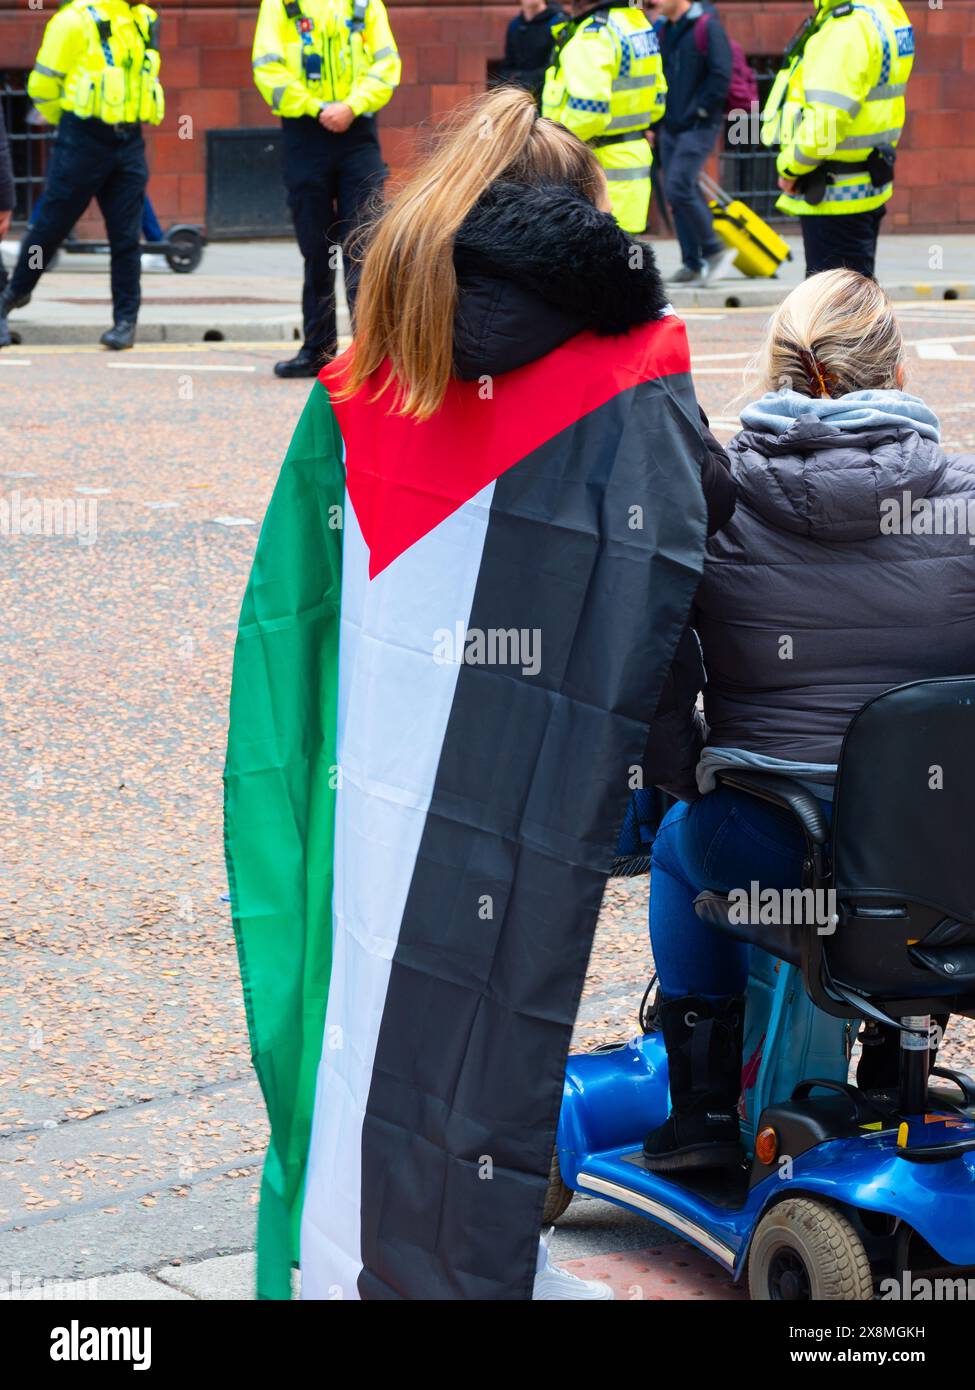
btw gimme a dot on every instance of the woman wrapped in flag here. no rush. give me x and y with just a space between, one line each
471 580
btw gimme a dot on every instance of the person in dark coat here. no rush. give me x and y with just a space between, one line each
528 45
829 585
6 212
697 61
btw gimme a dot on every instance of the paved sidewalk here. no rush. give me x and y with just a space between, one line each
672 1272
909 267
249 291
243 291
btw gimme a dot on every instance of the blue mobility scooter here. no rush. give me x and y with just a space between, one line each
842 1188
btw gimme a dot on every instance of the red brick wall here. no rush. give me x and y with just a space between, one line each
445 48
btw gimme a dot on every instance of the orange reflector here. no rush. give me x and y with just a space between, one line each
766 1145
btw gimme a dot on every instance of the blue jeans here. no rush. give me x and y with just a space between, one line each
683 156
725 840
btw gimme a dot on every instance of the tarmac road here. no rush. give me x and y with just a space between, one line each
131 1127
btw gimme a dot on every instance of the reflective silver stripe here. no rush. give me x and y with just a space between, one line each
48 72
386 52
640 171
636 120
276 96
837 99
632 84
265 59
677 1221
886 91
867 142
810 162
377 77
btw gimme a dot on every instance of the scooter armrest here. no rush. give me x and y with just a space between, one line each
784 792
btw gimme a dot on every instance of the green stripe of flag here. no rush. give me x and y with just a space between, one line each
279 803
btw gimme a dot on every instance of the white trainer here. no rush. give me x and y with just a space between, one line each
718 265
554 1283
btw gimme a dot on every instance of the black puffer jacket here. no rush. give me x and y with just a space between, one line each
534 267
807 609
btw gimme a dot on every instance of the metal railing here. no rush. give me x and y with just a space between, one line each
747 169
29 139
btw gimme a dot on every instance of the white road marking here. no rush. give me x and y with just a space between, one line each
161 506
716 356
233 521
177 367
942 338
94 491
944 352
14 362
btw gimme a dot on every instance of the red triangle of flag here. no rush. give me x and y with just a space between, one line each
405 476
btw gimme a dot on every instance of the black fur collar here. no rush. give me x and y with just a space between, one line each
536 265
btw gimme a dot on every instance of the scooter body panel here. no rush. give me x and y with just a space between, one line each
613 1098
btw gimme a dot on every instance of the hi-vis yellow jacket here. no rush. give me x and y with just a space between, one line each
310 52
607 81
99 58
841 98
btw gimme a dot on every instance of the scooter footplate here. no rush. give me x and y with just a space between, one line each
723 1188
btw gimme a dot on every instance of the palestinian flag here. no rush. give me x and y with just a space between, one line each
449 652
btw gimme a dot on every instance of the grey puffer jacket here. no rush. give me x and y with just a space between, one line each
807 608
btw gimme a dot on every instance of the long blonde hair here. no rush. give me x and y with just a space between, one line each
407 292
835 333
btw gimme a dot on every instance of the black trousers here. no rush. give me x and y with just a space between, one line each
91 160
845 241
331 180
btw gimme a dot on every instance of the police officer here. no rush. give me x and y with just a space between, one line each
326 67
606 85
837 110
96 78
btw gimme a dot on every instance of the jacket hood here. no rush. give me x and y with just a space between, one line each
818 480
535 266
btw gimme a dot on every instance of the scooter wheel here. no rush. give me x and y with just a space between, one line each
803 1251
558 1196
184 250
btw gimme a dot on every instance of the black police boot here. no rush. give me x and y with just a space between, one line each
10 301
704 1042
306 362
120 336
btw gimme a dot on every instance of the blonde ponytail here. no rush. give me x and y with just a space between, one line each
835 333
408 289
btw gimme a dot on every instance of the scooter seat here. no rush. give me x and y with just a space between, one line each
781 939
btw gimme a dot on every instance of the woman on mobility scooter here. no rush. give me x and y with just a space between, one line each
825 589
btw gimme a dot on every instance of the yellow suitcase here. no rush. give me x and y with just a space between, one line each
760 250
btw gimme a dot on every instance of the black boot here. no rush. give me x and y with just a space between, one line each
121 335
307 362
10 301
704 1042
7 303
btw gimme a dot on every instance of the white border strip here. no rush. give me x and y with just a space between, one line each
666 1215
